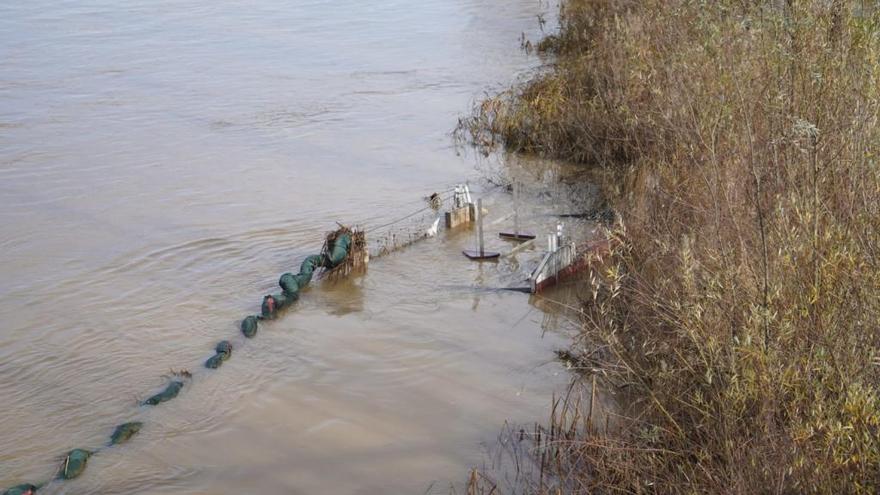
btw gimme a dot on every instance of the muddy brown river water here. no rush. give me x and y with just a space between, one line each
162 163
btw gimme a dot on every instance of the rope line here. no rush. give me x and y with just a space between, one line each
426 208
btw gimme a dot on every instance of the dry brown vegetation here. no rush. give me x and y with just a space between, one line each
740 312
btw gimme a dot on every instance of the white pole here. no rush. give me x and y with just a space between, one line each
480 224
516 209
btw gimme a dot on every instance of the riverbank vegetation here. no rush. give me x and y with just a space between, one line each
740 312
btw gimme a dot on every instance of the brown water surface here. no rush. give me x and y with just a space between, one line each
161 163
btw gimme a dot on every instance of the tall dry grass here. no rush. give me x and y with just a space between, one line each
740 312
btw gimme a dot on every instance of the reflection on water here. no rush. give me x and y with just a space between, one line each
161 163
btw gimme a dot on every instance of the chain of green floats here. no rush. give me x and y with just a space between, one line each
335 251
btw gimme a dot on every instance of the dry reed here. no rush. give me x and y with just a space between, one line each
740 308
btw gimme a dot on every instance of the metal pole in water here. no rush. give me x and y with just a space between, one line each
516 209
480 225
516 234
480 254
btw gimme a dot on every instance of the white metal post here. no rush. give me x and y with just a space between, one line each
516 209
480 224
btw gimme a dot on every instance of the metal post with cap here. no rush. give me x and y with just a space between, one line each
516 235
480 254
